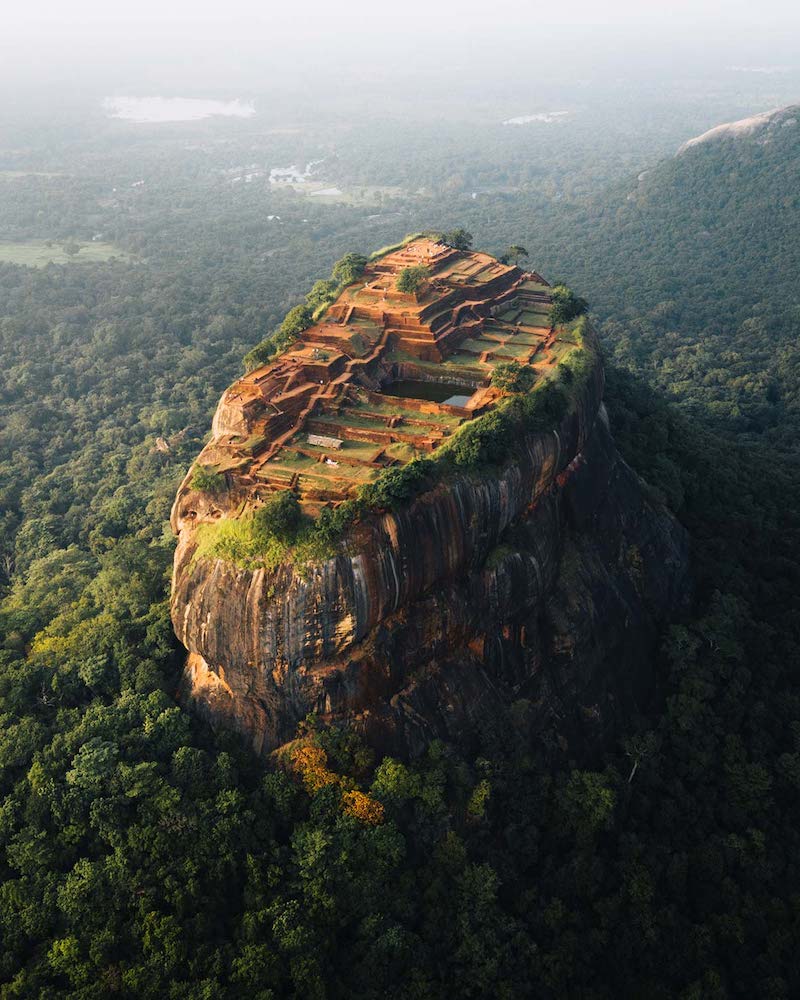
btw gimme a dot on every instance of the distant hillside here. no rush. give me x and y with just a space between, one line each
760 127
694 270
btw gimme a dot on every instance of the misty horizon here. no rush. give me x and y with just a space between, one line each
241 50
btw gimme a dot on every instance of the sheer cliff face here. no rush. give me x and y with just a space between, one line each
541 585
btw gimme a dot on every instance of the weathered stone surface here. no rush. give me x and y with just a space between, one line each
543 586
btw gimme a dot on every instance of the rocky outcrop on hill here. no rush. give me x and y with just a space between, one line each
539 587
759 127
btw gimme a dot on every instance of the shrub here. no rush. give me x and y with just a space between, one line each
395 487
348 268
543 409
298 318
511 376
566 305
206 480
411 279
334 521
459 239
485 441
322 293
279 518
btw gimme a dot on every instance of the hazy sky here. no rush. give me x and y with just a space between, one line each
27 18
113 43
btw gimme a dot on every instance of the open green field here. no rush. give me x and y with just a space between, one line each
311 469
11 175
468 362
480 344
351 419
363 451
401 451
534 317
394 409
36 253
512 350
530 315
528 338
329 194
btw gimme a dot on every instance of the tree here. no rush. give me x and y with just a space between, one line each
93 764
394 782
280 517
411 279
587 802
206 480
296 320
639 748
321 292
566 305
516 253
362 807
348 268
458 239
395 486
511 376
51 584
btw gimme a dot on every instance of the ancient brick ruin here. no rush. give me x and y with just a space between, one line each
384 375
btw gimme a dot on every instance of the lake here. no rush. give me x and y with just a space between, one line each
145 110
548 117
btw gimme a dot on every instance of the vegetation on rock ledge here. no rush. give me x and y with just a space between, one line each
206 480
411 279
345 271
512 376
566 306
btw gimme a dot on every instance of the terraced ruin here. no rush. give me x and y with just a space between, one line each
383 377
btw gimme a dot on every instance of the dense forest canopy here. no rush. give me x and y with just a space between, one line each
143 855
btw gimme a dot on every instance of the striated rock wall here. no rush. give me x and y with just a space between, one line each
542 586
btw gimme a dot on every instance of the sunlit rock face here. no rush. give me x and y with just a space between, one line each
537 590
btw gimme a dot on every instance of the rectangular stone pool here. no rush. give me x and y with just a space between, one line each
449 393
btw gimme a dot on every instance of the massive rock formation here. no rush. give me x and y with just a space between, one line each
538 585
